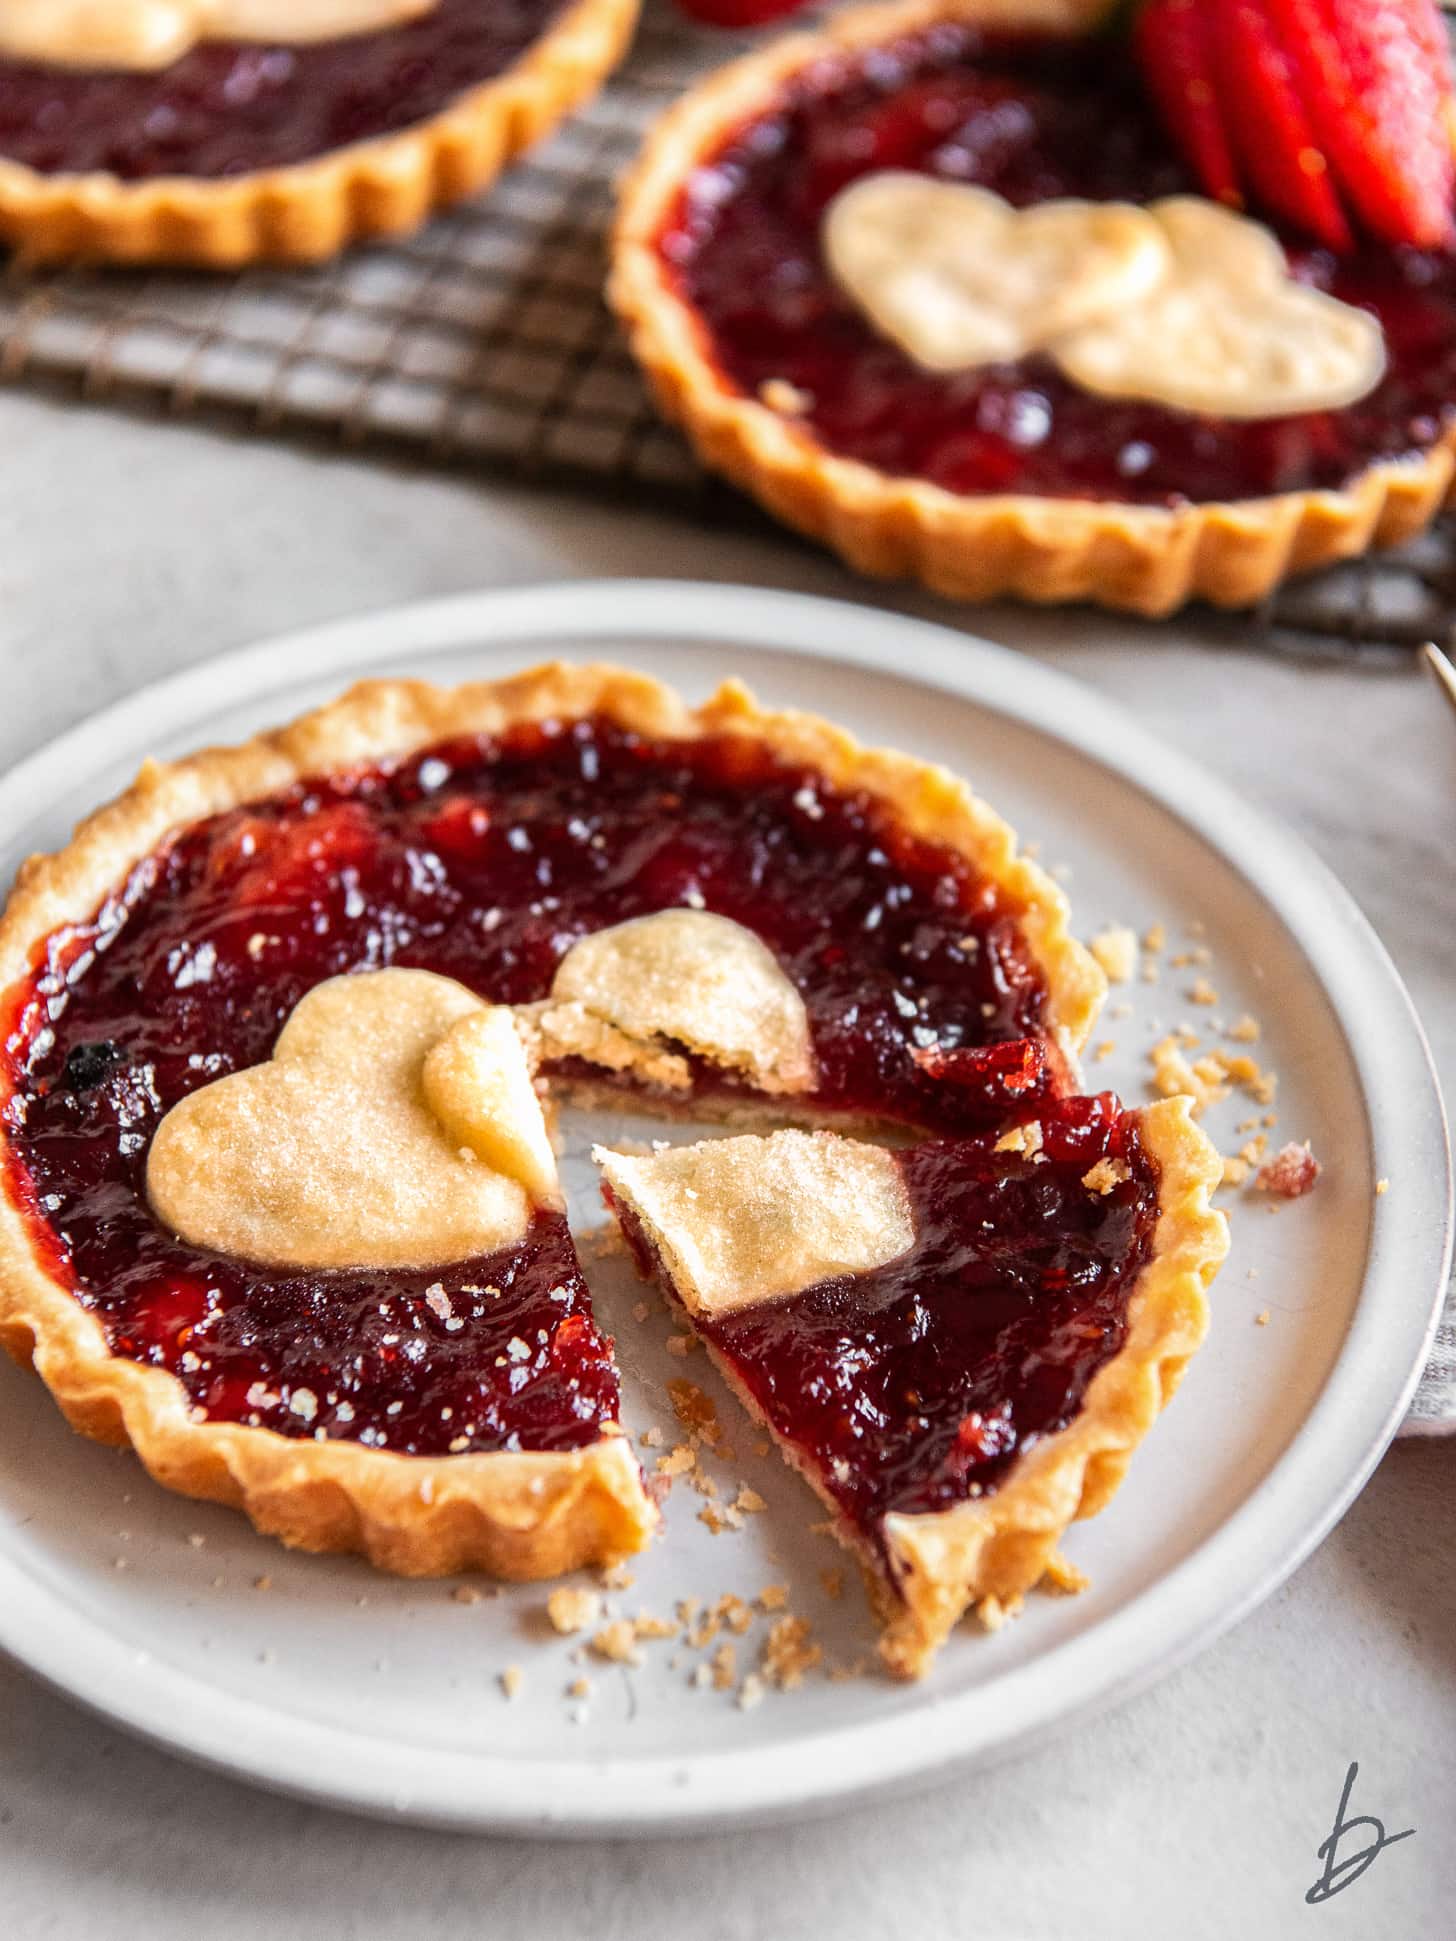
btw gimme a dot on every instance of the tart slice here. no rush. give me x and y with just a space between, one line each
222 132
280 1214
960 1344
934 285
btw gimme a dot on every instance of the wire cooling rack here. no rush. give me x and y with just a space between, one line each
484 342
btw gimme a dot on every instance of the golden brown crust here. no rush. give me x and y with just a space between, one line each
1144 559
520 1516
313 209
999 1546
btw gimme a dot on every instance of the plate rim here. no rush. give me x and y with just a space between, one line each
1116 1657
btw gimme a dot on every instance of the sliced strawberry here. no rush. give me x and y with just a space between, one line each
1173 42
737 13
1377 85
1274 140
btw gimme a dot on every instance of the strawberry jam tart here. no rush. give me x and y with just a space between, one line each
904 280
223 132
285 1026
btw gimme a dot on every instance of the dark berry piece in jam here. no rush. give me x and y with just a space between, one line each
88 1065
227 109
1031 119
482 860
914 1387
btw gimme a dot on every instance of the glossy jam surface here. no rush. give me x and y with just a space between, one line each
1032 120
484 862
914 1387
226 109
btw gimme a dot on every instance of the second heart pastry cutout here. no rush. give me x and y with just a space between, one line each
957 277
395 1125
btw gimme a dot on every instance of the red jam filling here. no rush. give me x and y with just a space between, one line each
1031 119
483 861
915 1386
227 108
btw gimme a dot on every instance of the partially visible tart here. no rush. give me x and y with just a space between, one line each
959 1344
270 1304
1011 474
288 151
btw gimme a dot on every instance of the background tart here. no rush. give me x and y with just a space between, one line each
477 834
959 1344
1006 480
239 154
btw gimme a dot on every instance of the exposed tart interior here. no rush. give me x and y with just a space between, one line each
1009 477
474 834
957 1344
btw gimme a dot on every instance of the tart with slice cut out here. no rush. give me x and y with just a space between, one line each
931 282
222 132
959 1344
260 955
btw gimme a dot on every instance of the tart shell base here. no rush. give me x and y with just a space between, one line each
514 1516
1140 559
309 211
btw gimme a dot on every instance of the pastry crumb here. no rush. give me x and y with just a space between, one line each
1025 1139
652 1438
1154 937
648 1626
724 1663
1290 1174
641 1311
832 1580
617 1643
1104 1050
1106 1176
1200 991
1244 1030
681 1345
263 1583
570 1611
748 1501
750 1692
773 1597
789 1652
1261 1320
1063 1578
695 1409
720 1519
465 1594
579 1688
511 1681
678 1461
1116 950
1382 1187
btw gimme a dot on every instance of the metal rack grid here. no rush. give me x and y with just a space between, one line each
484 342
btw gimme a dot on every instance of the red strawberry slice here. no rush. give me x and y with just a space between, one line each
1376 81
1274 139
737 13
1173 42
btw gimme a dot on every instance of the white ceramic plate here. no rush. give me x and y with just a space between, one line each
365 1691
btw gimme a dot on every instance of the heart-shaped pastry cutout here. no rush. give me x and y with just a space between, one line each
957 277
396 1125
1229 331
636 995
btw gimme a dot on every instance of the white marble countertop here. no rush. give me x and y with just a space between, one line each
129 550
